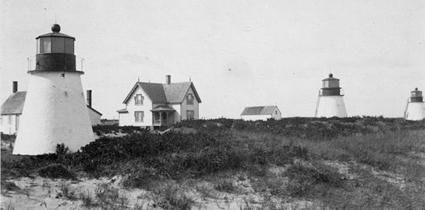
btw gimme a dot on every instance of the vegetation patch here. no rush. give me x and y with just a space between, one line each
171 196
55 171
305 181
298 146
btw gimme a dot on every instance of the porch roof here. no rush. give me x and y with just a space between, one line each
163 108
122 110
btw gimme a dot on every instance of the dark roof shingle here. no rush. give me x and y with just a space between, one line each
155 92
259 110
14 104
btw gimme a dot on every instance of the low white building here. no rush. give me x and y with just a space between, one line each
155 104
261 113
11 111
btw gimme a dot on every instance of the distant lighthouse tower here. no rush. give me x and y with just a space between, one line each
55 111
330 102
415 109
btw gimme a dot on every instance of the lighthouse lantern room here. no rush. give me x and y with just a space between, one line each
330 102
55 111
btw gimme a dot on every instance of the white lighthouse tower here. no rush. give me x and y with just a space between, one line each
330 102
55 111
415 109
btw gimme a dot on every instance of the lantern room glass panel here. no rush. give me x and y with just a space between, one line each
69 46
334 83
45 45
58 45
326 83
38 46
416 93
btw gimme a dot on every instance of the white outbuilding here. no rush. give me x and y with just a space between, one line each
261 113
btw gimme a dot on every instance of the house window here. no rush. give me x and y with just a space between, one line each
138 116
190 114
275 112
138 99
10 119
189 99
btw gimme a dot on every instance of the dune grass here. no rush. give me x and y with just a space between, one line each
384 160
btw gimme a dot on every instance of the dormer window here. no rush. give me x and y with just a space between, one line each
189 99
138 99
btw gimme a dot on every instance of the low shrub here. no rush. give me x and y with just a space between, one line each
87 199
55 171
66 191
171 196
113 129
8 186
109 197
7 137
224 186
303 180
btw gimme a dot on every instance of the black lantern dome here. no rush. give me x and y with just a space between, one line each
55 51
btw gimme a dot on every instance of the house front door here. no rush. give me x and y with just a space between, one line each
164 120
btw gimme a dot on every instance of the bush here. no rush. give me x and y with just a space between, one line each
304 180
55 171
6 137
172 196
113 129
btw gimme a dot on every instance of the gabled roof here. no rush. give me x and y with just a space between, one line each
259 110
164 93
155 91
176 92
14 104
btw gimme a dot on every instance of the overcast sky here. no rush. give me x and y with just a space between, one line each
238 53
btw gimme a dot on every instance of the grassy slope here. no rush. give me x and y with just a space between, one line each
354 163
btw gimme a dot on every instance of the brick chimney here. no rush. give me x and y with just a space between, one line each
167 79
15 86
89 98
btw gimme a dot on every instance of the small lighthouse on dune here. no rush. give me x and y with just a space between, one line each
55 111
330 102
415 109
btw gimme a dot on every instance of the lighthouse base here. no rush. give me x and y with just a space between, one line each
54 113
330 106
415 111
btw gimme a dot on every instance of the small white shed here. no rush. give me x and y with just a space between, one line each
261 113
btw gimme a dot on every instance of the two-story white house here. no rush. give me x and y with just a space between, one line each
155 104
